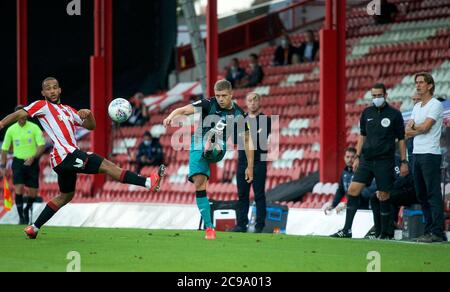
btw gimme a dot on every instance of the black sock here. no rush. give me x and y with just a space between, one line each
352 207
375 204
19 205
386 218
48 213
200 194
30 201
132 178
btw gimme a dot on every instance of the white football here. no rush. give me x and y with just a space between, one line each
120 110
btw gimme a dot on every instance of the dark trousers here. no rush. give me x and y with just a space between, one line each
427 179
259 185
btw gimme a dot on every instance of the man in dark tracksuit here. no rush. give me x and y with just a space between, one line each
259 125
381 125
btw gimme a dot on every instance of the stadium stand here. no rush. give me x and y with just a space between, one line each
418 40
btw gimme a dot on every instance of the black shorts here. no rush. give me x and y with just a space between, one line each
25 175
383 170
76 162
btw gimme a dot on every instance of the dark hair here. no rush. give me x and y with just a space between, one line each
351 149
428 79
380 86
254 56
48 79
19 107
147 133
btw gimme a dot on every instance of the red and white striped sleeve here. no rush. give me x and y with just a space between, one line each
36 108
76 117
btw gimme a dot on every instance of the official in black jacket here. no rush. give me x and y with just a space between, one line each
381 125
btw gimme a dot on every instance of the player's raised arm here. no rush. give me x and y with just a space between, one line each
182 111
12 118
88 119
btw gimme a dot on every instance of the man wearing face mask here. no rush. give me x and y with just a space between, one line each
150 152
381 125
284 52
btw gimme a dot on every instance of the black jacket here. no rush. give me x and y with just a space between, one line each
302 49
344 183
381 127
280 57
240 73
260 129
256 76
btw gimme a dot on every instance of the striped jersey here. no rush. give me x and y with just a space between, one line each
59 122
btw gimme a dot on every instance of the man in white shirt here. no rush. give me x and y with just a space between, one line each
426 126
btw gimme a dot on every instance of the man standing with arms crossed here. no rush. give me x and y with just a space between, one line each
28 145
426 126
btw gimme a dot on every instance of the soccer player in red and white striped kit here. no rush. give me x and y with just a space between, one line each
60 121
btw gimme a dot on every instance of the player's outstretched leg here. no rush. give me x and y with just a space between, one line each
127 177
49 211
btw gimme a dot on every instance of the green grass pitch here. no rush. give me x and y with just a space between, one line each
187 251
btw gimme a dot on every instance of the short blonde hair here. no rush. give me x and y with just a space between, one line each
255 95
222 85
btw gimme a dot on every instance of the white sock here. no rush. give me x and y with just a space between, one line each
148 183
35 228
